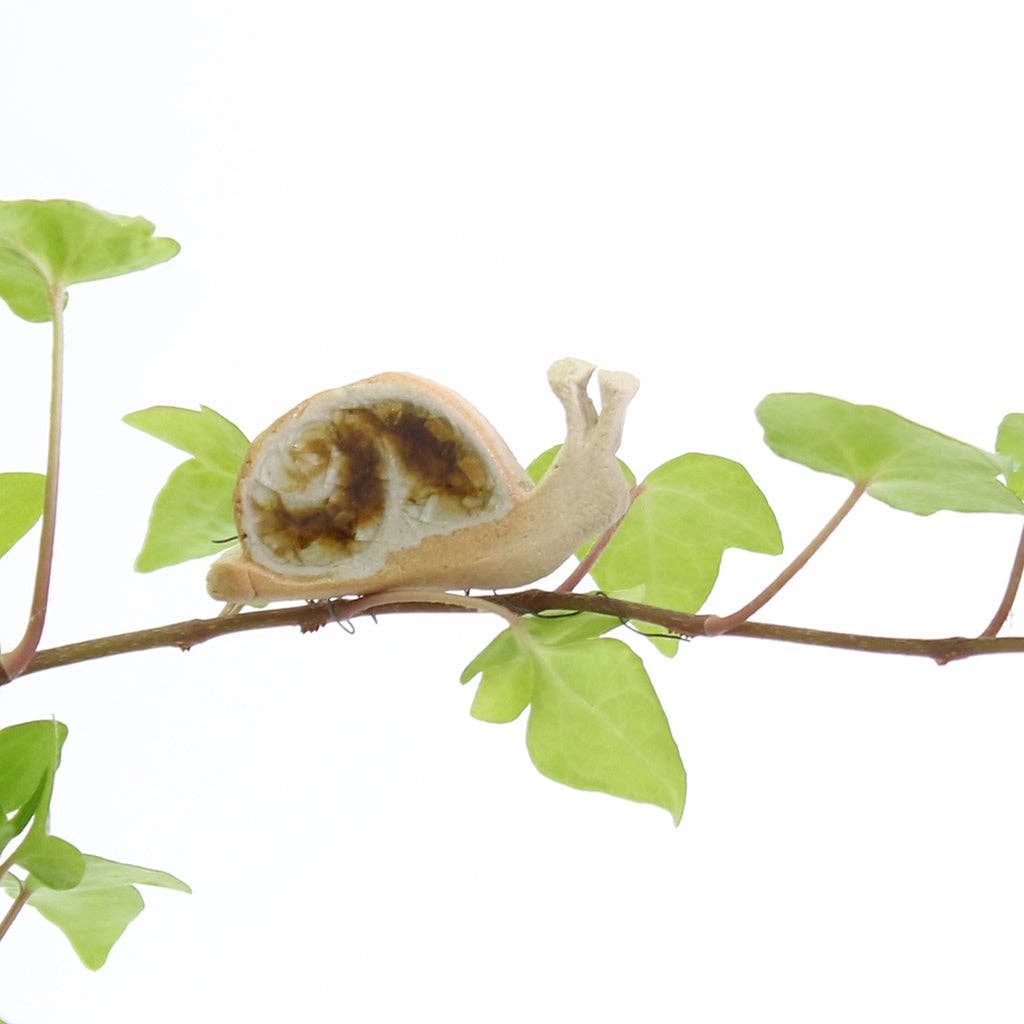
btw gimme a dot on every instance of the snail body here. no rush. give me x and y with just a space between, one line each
397 482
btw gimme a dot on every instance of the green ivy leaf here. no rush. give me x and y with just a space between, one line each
29 757
507 684
21 504
54 862
595 721
195 508
13 824
28 751
94 914
669 548
212 439
902 463
1010 442
47 245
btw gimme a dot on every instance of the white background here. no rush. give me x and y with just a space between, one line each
726 198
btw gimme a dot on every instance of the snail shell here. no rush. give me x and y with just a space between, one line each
395 481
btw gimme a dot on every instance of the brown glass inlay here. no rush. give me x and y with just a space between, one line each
303 526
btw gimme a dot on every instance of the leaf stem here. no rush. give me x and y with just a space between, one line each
587 562
19 901
14 662
716 625
1011 592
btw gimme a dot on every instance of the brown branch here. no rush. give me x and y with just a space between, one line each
182 635
309 617
1011 591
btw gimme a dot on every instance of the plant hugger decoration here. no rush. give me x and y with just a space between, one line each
394 494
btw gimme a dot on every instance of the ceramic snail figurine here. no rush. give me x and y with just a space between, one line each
396 482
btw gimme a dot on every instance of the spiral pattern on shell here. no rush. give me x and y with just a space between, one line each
332 479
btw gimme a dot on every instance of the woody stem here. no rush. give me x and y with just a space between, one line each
14 662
